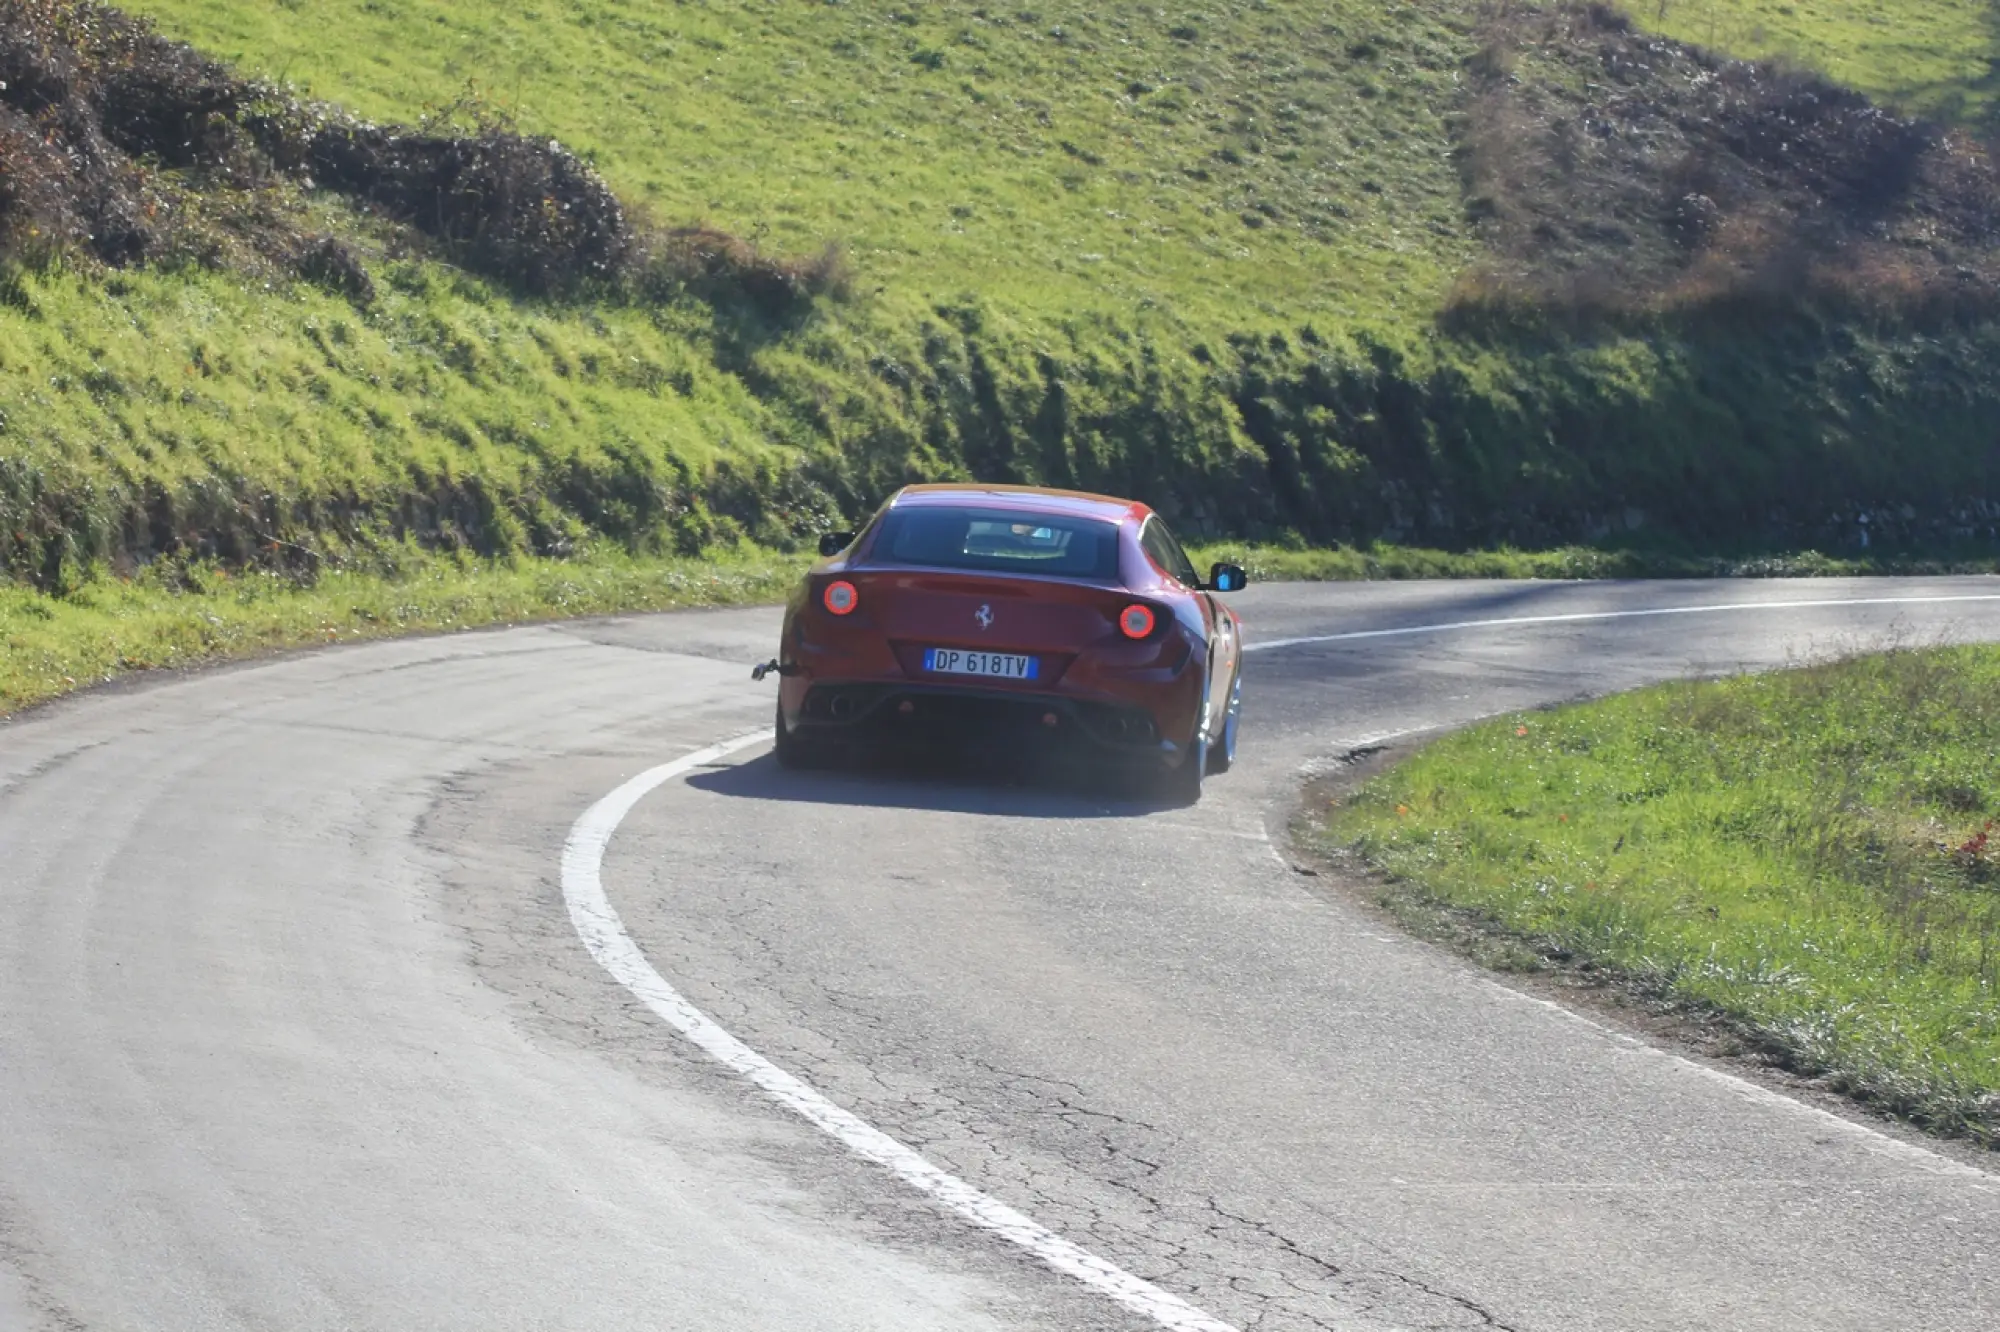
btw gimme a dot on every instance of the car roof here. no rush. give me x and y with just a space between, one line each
1030 499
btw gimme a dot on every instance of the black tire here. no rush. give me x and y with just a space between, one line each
794 751
1182 785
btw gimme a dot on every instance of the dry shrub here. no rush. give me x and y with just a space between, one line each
526 211
721 267
326 262
122 146
93 104
1777 187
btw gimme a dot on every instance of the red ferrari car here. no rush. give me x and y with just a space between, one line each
966 613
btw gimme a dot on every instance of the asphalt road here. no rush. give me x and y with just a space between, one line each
296 1031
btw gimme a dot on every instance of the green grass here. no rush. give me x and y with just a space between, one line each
1197 257
1935 57
193 615
1805 855
231 409
1065 157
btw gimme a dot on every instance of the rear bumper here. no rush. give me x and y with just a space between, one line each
921 714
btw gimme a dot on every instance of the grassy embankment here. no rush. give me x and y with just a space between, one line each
108 627
1808 859
1203 258
1219 261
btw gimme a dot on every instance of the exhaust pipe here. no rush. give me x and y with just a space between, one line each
841 706
1134 728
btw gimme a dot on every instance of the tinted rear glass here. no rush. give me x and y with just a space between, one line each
1000 542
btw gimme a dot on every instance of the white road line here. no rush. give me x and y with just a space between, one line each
604 934
1583 616
1385 738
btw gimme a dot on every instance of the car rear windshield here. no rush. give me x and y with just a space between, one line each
1046 545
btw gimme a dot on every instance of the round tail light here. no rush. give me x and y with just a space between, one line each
1136 621
841 598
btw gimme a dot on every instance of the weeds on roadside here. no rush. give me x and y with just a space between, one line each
186 613
1805 856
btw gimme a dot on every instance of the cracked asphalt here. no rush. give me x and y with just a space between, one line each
295 1031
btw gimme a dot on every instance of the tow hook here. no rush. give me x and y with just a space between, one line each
771 667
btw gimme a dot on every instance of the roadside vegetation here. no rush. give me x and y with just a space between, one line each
621 280
1805 865
173 616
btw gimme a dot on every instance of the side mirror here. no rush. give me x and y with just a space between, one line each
832 543
1227 578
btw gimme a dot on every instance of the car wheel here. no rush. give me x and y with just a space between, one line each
794 750
1222 754
1182 785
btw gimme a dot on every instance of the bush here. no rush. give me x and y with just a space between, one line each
525 211
725 269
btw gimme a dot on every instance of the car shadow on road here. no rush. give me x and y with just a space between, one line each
1018 789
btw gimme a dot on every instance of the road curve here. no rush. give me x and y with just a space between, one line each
297 1032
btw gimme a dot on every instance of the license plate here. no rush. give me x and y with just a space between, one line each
963 661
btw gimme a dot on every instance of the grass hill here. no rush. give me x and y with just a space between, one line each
1444 272
1937 58
1063 158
